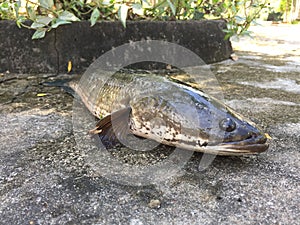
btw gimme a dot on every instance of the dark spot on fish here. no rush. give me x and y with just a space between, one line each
199 143
219 198
203 144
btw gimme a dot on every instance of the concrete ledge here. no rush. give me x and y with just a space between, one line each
82 44
20 54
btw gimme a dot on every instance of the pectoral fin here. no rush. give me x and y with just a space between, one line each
113 128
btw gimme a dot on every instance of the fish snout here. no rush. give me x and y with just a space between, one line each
257 137
251 142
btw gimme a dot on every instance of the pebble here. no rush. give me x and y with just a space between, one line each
154 204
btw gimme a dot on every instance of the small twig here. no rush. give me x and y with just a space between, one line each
8 78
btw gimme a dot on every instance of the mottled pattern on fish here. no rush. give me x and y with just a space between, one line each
171 113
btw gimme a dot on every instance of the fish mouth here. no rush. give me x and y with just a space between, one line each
254 144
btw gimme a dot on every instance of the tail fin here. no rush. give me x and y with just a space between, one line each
66 84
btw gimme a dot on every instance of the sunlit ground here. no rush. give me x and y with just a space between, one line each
282 40
275 49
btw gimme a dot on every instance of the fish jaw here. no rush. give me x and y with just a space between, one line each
222 149
254 145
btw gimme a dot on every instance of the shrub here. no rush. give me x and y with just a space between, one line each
46 15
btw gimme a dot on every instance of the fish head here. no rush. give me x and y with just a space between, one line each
194 121
233 134
223 131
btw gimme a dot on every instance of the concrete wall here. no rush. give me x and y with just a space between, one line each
82 44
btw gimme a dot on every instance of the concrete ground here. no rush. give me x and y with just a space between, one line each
44 177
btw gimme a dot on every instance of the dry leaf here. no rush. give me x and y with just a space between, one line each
41 94
69 66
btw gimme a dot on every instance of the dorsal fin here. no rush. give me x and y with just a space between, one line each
113 128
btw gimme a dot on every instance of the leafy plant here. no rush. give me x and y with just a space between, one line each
7 10
176 10
44 16
285 5
241 14
49 14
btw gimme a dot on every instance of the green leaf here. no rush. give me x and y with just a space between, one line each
226 31
147 4
256 23
48 4
40 33
59 22
19 23
233 8
123 10
198 15
106 2
31 13
41 21
68 16
173 8
227 36
137 9
95 16
247 33
17 5
239 19
20 20
4 6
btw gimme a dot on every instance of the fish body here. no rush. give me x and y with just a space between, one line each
168 112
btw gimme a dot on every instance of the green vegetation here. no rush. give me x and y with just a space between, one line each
285 5
46 15
7 10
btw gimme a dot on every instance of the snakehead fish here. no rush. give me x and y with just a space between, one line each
168 112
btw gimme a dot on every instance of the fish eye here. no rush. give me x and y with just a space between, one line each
227 124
